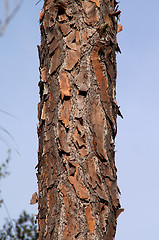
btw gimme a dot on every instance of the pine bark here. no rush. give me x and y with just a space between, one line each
77 181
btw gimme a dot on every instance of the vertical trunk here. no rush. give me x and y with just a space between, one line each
78 193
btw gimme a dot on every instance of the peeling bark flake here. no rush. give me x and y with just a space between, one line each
80 189
97 2
65 28
64 85
90 219
71 59
66 112
55 61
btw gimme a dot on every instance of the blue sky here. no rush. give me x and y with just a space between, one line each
19 96
137 142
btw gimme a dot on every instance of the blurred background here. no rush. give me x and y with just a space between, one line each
19 69
137 142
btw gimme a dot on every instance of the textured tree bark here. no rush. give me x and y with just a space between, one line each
78 193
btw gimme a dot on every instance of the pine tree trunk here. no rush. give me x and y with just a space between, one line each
78 193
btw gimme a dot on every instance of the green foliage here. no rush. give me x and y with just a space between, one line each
4 166
24 228
4 170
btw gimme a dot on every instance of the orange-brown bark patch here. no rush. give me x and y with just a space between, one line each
119 211
63 139
99 141
55 60
119 27
98 121
80 189
90 10
103 82
72 40
51 200
90 219
43 113
65 28
65 87
79 140
83 151
95 180
97 2
41 15
53 45
72 58
71 227
42 226
66 108
101 78
70 37
92 175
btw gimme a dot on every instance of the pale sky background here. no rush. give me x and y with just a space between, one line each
137 143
